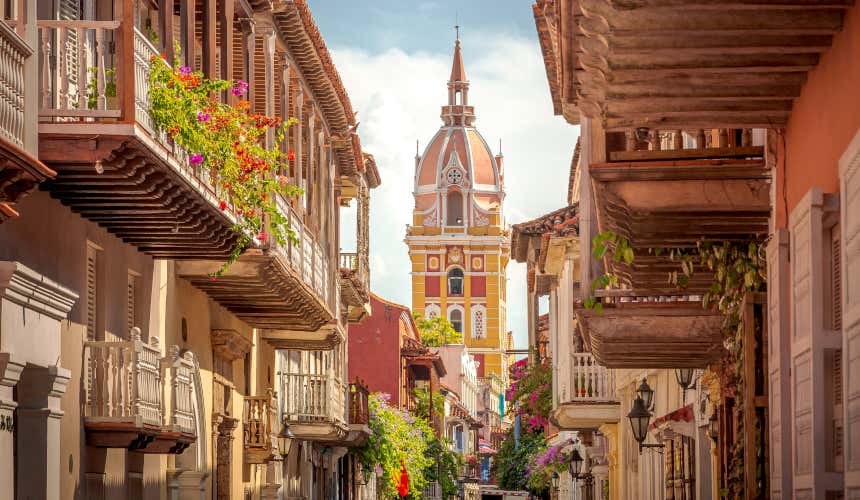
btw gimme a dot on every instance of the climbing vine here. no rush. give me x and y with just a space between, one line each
228 141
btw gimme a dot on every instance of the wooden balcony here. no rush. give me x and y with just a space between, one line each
359 414
591 400
259 428
355 285
114 168
669 197
287 289
314 406
668 334
20 171
136 399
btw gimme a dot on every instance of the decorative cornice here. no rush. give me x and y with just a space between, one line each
26 287
229 344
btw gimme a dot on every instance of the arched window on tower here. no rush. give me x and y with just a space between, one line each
455 281
455 208
455 316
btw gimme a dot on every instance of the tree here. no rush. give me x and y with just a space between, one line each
437 331
511 464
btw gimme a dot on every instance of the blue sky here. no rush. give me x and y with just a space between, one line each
394 58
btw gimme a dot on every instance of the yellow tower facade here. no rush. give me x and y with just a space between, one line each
458 241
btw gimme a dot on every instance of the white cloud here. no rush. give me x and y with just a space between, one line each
398 96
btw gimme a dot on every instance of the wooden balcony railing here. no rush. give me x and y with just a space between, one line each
123 381
312 398
306 256
589 380
129 382
646 144
14 52
349 260
358 396
259 417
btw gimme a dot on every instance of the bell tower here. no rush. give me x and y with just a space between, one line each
458 241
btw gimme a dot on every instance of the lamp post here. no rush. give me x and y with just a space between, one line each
555 483
639 417
685 379
285 439
574 466
714 427
646 393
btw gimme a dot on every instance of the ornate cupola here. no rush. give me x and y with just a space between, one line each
458 241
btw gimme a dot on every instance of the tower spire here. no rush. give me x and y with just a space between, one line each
458 111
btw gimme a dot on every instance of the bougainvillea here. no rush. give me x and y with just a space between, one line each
510 465
530 392
543 463
396 436
228 141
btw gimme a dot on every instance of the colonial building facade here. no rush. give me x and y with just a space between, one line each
458 242
125 370
702 126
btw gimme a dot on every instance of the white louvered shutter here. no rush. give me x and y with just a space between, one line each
779 362
849 188
92 292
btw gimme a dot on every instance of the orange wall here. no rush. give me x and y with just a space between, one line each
823 121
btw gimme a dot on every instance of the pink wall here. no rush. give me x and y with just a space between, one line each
374 348
823 120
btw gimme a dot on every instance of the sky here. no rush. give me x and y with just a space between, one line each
394 58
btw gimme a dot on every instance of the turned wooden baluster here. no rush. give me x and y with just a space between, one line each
700 139
746 137
83 77
101 101
723 138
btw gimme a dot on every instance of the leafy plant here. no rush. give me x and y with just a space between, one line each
93 86
437 331
619 249
422 397
229 142
530 392
445 466
396 437
544 463
510 465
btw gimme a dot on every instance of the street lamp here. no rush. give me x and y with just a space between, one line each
555 481
639 418
646 393
685 378
285 439
714 427
574 466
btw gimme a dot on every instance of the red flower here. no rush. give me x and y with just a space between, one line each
262 236
290 155
222 205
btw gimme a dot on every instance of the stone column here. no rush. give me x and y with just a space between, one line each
10 373
38 426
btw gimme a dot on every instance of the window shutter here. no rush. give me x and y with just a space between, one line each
131 302
92 291
836 278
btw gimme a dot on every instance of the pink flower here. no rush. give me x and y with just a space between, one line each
240 88
195 159
262 236
185 70
202 117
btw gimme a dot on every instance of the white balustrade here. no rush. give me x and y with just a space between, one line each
589 380
432 491
14 51
180 415
310 397
123 380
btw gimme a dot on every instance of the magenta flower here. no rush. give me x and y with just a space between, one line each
185 70
195 159
203 117
240 88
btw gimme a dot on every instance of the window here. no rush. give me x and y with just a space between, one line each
455 208
478 320
432 311
456 319
455 281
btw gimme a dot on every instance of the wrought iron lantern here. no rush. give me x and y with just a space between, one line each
555 481
285 439
714 427
685 378
640 417
574 465
646 394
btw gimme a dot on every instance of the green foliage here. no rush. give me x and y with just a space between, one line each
619 249
227 141
93 86
445 466
511 465
530 392
422 396
437 331
396 437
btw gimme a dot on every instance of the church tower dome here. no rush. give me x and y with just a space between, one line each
458 240
458 180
